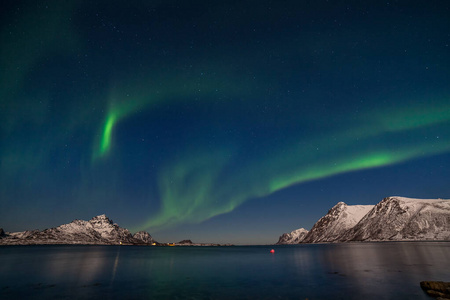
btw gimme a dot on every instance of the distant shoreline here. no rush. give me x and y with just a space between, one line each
219 245
8 242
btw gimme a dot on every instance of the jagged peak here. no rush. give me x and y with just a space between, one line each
103 216
101 219
339 205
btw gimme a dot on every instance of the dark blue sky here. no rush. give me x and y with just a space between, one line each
219 122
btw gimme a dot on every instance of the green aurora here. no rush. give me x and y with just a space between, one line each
165 114
192 189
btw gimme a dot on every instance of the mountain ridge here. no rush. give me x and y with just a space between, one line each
100 230
394 218
404 219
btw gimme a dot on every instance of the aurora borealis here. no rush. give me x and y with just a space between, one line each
219 122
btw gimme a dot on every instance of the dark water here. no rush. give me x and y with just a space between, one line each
341 271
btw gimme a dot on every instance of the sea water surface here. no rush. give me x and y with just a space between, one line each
323 271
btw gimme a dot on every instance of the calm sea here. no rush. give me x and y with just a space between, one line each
333 271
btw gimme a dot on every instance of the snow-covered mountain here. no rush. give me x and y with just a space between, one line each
399 218
393 219
336 222
99 230
294 237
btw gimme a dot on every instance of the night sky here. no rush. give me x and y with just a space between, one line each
219 121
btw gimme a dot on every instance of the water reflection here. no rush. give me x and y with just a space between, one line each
369 266
116 263
338 271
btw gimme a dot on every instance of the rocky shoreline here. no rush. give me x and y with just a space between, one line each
436 289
